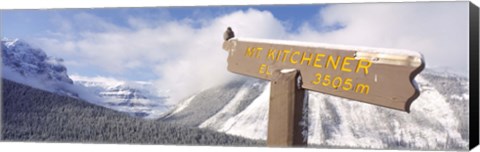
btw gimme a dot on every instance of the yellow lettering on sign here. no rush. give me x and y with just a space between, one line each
278 54
332 62
271 54
326 80
362 88
304 58
340 82
363 66
337 82
291 57
345 63
257 52
347 85
264 69
319 78
249 52
317 59
285 53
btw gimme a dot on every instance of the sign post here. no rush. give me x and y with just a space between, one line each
382 77
286 110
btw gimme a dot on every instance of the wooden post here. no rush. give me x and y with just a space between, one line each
286 110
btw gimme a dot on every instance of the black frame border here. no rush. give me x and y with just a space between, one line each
474 75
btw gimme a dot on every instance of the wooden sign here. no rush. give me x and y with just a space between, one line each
382 77
286 110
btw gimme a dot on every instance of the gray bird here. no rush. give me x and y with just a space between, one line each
228 34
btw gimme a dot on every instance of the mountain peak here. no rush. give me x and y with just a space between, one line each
21 57
10 43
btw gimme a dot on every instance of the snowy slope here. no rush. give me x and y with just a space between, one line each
196 109
438 118
137 98
251 122
431 124
234 106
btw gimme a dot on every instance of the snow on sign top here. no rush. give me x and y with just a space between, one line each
334 46
377 76
394 56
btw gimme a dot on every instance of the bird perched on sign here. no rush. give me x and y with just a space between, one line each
228 34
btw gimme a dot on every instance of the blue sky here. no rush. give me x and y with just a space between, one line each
25 24
180 47
33 24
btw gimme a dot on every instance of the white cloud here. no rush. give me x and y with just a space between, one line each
187 58
202 63
438 30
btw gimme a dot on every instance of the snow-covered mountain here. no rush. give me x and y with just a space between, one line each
438 118
25 64
138 98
